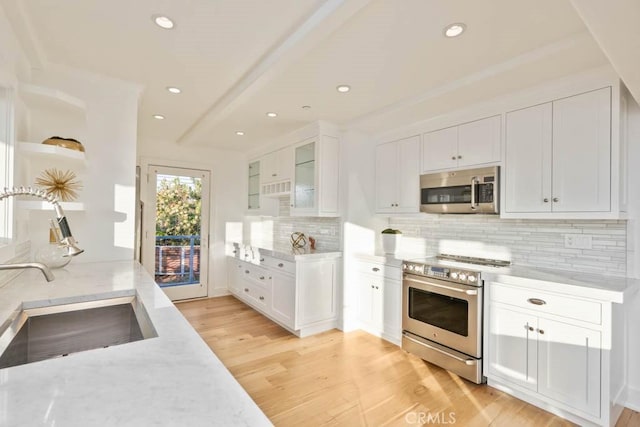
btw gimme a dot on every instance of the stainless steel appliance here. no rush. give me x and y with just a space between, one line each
442 312
465 191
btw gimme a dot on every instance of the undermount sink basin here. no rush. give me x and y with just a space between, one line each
56 331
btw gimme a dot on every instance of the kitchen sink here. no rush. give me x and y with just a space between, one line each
42 333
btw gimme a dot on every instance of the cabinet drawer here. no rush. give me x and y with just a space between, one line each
278 264
256 273
256 295
380 270
543 302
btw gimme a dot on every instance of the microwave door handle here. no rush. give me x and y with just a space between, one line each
474 181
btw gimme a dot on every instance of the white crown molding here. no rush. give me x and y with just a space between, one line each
327 18
489 72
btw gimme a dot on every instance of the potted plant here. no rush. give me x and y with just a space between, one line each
390 239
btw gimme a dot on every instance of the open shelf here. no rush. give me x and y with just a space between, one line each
41 205
45 98
51 152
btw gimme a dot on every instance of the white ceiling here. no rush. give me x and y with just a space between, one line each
237 59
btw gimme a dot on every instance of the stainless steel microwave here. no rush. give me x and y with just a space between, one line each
473 191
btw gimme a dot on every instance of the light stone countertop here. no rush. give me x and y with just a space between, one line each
173 379
288 254
586 285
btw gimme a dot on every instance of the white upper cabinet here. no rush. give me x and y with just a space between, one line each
582 152
469 144
398 176
278 165
315 177
558 156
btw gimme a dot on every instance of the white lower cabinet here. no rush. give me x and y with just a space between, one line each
300 296
283 303
540 348
380 300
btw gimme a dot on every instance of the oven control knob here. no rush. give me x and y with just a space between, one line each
472 278
462 276
454 275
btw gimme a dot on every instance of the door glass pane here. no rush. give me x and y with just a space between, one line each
178 226
304 191
254 185
442 311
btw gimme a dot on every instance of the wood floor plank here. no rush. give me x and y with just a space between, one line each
350 379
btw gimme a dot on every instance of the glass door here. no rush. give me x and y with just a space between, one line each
254 185
177 243
305 168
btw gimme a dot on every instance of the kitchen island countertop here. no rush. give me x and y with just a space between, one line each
173 379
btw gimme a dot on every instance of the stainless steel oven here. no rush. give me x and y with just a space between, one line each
442 317
464 191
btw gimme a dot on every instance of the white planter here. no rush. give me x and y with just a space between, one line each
390 243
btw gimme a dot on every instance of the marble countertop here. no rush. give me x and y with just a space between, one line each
288 254
587 285
596 286
172 379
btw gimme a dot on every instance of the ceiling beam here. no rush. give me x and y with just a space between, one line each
326 19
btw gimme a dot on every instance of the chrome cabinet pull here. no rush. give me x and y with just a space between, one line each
541 331
246 289
261 298
281 265
261 277
453 157
261 259
246 272
375 269
459 156
555 199
536 301
546 200
235 252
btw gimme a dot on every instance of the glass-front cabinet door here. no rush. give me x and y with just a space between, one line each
304 191
254 185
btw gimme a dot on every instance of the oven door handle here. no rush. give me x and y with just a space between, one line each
459 359
462 291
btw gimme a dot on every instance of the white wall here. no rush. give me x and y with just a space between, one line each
105 230
228 193
633 253
360 226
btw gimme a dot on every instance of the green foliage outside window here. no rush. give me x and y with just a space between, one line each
178 209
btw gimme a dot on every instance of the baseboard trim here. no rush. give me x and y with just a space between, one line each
633 398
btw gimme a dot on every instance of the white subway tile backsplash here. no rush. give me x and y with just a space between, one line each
525 242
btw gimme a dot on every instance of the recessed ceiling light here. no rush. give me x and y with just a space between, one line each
272 114
343 88
163 21
454 30
173 89
239 133
158 116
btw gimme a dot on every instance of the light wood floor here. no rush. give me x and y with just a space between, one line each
349 379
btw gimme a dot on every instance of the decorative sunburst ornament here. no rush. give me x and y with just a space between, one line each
63 185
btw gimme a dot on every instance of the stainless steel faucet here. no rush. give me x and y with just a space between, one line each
45 270
67 239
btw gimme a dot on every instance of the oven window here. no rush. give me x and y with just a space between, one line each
439 195
439 310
